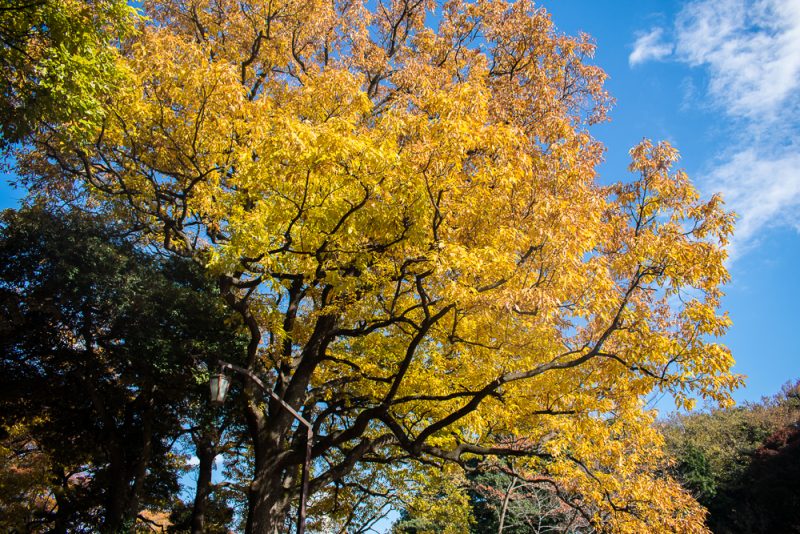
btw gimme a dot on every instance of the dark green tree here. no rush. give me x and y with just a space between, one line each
217 516
767 497
105 351
742 463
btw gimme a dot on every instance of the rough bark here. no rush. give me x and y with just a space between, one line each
268 506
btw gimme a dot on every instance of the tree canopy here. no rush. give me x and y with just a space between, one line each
58 64
742 463
400 199
105 355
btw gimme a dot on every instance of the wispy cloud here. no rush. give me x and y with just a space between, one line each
763 188
750 51
650 46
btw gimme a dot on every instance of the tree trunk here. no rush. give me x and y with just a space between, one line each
63 505
143 461
268 501
128 467
115 494
205 453
268 506
504 508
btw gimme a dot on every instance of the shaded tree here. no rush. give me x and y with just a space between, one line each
103 352
741 463
767 497
218 516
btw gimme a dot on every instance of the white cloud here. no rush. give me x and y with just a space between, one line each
750 48
762 188
195 461
750 51
650 46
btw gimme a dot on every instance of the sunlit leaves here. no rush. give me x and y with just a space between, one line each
59 65
423 198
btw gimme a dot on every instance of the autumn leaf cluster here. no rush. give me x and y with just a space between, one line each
401 201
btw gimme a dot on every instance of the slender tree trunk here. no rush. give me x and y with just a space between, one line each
143 461
127 469
205 453
504 508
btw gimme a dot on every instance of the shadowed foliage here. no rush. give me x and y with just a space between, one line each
103 355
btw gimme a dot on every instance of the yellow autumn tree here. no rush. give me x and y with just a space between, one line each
400 199
58 64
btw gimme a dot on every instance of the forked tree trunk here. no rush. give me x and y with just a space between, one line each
268 502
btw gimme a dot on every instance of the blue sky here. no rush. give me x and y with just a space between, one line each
720 80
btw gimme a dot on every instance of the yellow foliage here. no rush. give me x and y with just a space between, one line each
436 267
